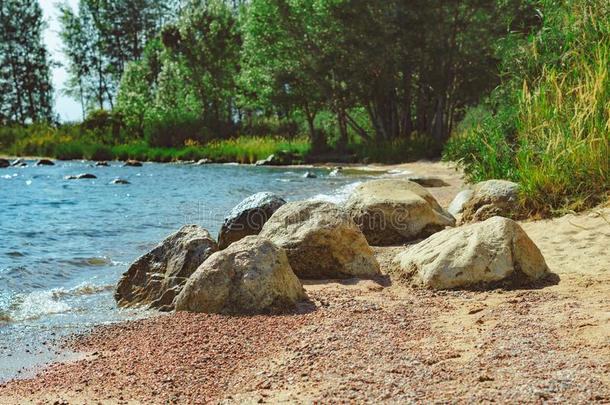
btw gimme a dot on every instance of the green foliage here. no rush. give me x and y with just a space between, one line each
548 125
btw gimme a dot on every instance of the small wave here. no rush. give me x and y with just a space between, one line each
36 305
85 288
339 196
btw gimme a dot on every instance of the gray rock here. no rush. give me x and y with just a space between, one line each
248 217
157 277
473 255
394 211
321 241
428 181
250 276
45 162
491 198
81 176
457 204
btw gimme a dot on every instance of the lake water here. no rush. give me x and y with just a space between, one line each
65 243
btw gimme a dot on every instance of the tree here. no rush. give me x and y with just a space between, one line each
26 93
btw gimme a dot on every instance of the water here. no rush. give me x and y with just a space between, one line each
65 243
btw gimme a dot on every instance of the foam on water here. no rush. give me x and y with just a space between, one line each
35 305
339 196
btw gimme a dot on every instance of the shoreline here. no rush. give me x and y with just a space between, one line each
523 345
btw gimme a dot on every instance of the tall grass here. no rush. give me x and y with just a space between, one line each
552 135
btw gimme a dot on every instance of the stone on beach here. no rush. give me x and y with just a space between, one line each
457 204
490 198
497 249
252 275
393 211
157 277
428 181
321 241
248 217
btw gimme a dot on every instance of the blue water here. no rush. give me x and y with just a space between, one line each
65 243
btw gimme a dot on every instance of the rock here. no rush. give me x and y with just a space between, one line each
101 163
19 163
4 163
472 255
281 158
250 276
248 217
428 181
491 198
120 181
133 163
310 175
457 204
45 162
203 161
393 211
321 241
157 277
81 176
336 171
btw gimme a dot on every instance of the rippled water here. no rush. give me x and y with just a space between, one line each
64 243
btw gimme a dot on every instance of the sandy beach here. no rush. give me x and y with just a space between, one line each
369 341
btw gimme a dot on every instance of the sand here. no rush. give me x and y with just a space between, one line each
370 341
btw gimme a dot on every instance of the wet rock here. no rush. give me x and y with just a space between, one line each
392 211
281 158
157 277
321 241
495 250
101 163
120 181
310 175
491 198
133 163
336 171
428 181
45 162
81 176
204 161
250 276
19 163
4 163
248 217
457 204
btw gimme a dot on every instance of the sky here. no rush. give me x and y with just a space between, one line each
67 108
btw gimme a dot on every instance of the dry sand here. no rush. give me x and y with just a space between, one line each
365 341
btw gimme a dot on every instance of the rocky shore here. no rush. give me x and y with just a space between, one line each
528 322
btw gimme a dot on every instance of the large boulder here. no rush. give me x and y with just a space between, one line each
321 241
250 276
490 198
4 163
157 277
472 255
393 211
248 217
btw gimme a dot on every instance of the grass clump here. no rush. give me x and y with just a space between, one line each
548 125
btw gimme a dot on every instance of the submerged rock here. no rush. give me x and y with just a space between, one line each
491 198
157 277
321 241
392 211
4 163
101 163
248 217
45 162
19 163
120 181
133 163
428 181
472 255
81 176
250 276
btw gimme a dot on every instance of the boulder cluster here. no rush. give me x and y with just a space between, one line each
267 245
